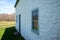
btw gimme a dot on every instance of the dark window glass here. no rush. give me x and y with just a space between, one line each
35 19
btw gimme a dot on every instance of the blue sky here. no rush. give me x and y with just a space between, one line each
7 6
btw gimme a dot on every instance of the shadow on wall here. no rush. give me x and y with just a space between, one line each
9 35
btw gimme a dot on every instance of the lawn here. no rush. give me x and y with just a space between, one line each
7 29
6 24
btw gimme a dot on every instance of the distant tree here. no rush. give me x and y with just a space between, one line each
7 17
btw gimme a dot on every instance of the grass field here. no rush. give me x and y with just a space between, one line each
6 24
7 29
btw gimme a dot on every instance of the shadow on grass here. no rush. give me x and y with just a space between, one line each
9 34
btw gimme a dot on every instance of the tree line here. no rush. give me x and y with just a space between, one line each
7 17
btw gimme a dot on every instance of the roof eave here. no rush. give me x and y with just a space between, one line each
17 1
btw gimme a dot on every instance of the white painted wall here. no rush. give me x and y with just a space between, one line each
49 19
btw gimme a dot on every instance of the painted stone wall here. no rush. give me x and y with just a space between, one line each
49 19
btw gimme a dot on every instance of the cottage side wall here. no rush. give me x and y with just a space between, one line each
17 11
49 19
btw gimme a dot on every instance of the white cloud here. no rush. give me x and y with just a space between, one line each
2 2
7 9
6 6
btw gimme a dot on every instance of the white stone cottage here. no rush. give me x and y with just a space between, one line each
38 19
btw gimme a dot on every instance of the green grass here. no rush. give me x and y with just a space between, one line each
7 29
1 33
5 24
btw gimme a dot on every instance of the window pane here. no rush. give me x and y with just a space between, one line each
35 27
35 19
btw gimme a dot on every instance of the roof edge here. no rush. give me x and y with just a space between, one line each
17 1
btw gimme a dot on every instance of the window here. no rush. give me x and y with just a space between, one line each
35 20
16 18
19 23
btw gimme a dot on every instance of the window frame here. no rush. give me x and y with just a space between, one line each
35 31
